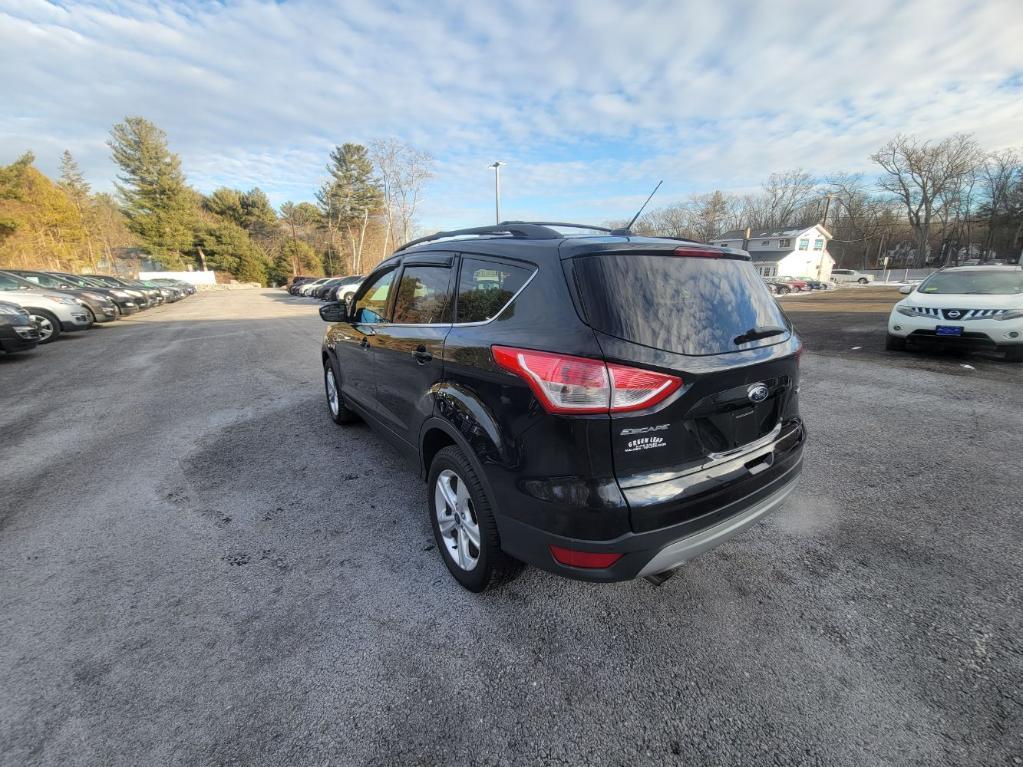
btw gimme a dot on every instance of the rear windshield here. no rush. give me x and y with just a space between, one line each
980 283
686 305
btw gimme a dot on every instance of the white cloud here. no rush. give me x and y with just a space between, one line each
591 102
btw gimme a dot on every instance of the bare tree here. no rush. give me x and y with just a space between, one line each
1000 174
925 176
786 194
402 170
857 218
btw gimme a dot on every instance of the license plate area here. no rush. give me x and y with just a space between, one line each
948 330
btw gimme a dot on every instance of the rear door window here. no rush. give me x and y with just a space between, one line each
486 287
424 296
681 304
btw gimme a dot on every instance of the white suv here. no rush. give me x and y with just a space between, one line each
978 307
850 275
51 313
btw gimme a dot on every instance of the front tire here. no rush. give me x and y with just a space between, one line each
46 323
863 280
895 343
462 518
339 412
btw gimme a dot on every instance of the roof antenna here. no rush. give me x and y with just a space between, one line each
627 229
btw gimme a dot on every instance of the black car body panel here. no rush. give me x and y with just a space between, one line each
17 333
626 482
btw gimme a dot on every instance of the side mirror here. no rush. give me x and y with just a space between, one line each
334 312
906 290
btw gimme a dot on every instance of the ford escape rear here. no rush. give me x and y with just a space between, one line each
603 407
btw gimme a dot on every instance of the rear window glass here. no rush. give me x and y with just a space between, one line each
686 305
485 287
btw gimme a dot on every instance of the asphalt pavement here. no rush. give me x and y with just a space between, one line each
198 567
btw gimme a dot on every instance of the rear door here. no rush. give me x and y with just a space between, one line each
713 323
408 350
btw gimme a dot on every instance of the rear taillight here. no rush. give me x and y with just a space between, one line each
565 384
590 560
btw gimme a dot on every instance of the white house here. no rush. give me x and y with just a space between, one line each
796 252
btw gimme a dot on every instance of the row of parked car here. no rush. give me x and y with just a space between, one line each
326 288
783 285
37 307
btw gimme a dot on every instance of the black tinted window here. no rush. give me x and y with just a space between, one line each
370 306
675 303
424 295
485 287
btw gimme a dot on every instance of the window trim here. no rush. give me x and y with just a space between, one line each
785 242
458 273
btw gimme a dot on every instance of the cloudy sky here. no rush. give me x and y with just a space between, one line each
590 102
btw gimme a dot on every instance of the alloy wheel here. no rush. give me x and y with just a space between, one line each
44 325
456 519
333 397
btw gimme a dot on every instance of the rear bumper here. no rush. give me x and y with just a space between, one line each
690 547
656 550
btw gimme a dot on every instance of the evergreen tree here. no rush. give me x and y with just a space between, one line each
349 197
155 198
78 190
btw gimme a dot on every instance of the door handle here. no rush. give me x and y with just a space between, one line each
421 355
364 344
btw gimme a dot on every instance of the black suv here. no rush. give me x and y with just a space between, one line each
603 407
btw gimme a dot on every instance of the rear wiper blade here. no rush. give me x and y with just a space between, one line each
755 334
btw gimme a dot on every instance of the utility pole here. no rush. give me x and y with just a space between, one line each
497 190
827 207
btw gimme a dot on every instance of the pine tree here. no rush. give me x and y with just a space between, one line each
349 197
158 203
78 190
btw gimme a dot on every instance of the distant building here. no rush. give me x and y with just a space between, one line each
793 252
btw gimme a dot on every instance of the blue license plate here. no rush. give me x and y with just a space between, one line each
948 330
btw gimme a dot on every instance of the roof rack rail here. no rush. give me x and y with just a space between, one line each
514 228
562 224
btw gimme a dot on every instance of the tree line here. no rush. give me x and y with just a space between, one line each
365 208
931 203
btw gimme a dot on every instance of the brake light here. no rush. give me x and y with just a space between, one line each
697 253
566 384
588 559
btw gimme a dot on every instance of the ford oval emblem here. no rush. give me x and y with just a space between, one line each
757 392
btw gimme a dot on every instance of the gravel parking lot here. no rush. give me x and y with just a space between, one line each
198 567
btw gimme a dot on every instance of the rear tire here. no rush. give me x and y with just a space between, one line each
339 412
468 542
895 343
863 280
47 324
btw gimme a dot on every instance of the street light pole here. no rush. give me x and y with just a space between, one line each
497 190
